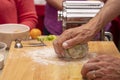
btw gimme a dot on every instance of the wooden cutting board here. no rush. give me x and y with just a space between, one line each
41 63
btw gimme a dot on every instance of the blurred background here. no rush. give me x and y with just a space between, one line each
40 9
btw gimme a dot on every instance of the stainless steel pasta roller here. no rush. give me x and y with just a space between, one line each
76 13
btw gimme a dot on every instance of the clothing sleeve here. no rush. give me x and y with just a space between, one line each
26 13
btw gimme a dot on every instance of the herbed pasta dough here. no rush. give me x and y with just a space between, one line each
77 51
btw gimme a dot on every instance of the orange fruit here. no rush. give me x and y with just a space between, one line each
35 32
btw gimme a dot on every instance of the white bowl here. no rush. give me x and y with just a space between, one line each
11 32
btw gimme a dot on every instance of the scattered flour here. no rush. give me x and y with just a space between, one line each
45 56
48 56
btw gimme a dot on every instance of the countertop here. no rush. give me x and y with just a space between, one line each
40 63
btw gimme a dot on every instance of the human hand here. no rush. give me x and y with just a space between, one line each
102 68
74 36
103 0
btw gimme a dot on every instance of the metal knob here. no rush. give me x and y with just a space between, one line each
18 43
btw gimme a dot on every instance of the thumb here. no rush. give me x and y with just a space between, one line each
70 43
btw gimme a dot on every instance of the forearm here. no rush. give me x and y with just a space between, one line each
55 3
106 14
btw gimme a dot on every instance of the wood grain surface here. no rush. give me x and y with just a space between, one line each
41 63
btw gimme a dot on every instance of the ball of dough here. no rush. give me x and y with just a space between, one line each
77 51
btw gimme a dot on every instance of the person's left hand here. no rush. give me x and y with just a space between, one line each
102 68
73 36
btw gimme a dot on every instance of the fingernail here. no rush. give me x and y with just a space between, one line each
65 45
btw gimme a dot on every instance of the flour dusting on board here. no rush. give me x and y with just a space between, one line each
48 56
44 56
45 53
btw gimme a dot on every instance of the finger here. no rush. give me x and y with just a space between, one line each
93 66
59 41
89 67
74 41
58 49
102 64
94 60
69 38
66 35
101 58
78 37
106 58
93 75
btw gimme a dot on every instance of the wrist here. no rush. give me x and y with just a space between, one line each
96 24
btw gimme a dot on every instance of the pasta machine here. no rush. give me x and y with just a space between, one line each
76 13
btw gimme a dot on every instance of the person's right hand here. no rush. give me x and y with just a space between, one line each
74 36
102 68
